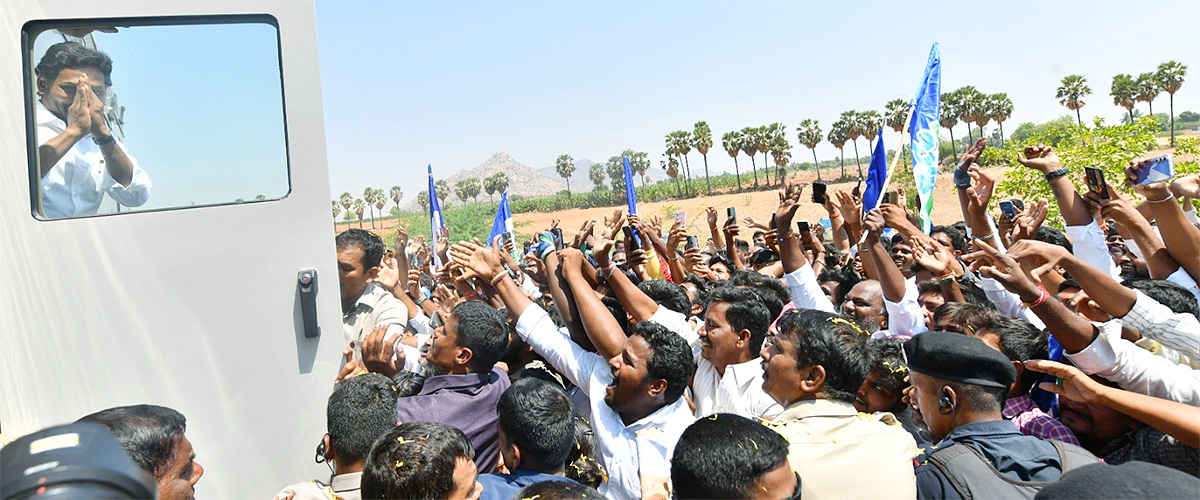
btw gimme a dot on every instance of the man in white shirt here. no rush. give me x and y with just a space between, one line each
76 173
728 372
634 399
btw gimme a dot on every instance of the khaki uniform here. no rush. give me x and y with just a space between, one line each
342 487
841 453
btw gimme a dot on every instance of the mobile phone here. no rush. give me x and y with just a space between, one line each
891 197
818 191
504 238
1095 181
389 255
1007 208
1156 169
803 227
634 244
681 216
558 237
1018 203
692 242
772 221
731 213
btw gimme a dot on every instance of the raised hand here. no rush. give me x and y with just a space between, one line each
447 300
1047 256
379 355
789 202
1040 158
96 109
1116 207
1003 268
874 224
711 214
981 194
750 222
79 114
389 273
572 261
1076 385
676 235
351 368
1026 224
971 153
401 245
1186 187
443 242
477 260
931 255
1154 191
584 231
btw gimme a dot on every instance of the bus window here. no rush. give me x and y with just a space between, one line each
129 115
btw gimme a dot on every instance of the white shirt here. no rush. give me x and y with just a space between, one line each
77 183
905 318
738 391
1136 369
1180 332
641 449
1089 245
806 292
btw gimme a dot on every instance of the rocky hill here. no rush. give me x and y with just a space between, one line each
522 180
581 182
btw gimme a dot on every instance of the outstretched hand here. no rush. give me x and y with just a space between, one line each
971 153
1003 268
1026 224
1047 256
1075 386
1040 158
379 355
476 260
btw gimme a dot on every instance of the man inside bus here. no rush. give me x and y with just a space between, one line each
366 305
79 159
153 437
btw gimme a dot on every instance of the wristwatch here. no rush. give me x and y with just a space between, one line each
1057 173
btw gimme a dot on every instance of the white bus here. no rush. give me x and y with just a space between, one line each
191 298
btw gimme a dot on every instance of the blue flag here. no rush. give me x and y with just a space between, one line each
630 191
435 218
503 224
876 176
924 131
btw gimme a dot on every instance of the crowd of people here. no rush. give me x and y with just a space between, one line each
994 357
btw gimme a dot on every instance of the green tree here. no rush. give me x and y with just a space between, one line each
368 197
872 123
702 140
565 166
837 137
949 117
615 167
467 188
853 128
749 145
809 134
423 200
732 141
380 202
1071 93
1124 92
999 108
596 175
781 151
337 209
639 163
495 183
1147 84
1170 78
397 194
360 206
970 108
772 134
501 180
896 111
442 188
671 166
679 144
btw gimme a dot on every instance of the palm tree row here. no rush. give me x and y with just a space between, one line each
1127 91
372 198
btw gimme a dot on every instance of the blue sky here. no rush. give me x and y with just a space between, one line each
449 83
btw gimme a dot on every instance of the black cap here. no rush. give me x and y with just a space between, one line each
1128 480
959 358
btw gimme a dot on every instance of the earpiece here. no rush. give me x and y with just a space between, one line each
945 406
320 451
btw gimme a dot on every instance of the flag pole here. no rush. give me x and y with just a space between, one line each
895 159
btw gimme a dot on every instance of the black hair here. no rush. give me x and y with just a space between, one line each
887 361
581 461
929 286
718 259
558 490
359 411
845 278
1054 236
147 432
763 257
482 329
667 294
703 288
536 416
1177 298
746 312
773 293
64 55
723 456
1069 283
369 242
670 358
408 383
962 315
832 341
415 460
756 234
1020 341
899 239
957 239
615 308
980 398
833 256
741 245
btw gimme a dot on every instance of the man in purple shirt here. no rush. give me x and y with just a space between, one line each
463 384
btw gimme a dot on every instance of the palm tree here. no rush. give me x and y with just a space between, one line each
337 209
809 134
837 137
346 200
1124 92
360 206
872 123
679 144
380 202
501 181
970 108
853 129
369 198
896 111
762 139
1147 84
1170 78
565 166
1071 93
596 175
749 145
1000 108
639 163
702 140
397 194
423 200
443 190
781 151
949 117
489 186
731 141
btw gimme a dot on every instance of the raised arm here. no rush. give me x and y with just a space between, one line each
1138 229
1182 239
1100 287
599 324
1044 160
890 278
638 304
